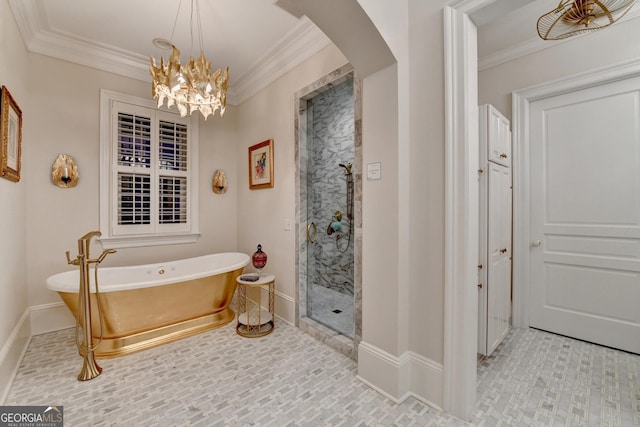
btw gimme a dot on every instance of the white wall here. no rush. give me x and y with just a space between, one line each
413 29
270 115
591 51
64 102
403 241
13 251
426 106
41 221
380 216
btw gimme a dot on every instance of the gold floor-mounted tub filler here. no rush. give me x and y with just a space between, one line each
144 306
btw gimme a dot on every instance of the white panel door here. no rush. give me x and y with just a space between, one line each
585 214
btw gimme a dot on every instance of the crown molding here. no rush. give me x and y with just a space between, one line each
534 45
39 38
301 43
513 52
30 18
305 40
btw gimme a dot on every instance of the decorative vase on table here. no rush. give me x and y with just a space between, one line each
259 260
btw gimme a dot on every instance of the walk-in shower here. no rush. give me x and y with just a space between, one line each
328 154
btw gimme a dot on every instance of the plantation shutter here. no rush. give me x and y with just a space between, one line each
148 173
151 173
134 199
173 177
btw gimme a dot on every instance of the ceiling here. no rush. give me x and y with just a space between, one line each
507 30
258 40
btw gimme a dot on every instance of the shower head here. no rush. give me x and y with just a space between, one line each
347 168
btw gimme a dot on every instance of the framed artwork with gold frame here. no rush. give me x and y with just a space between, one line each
10 137
261 165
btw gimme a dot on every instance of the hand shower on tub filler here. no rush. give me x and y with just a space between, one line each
90 368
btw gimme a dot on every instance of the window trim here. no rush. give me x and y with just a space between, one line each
107 98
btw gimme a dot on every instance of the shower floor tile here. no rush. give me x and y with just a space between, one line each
331 308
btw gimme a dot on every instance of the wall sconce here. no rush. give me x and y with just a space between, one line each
219 182
64 173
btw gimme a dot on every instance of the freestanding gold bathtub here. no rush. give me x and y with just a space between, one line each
144 306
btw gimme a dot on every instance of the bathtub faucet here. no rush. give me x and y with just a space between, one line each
90 368
84 244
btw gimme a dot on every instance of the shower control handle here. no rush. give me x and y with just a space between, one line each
311 238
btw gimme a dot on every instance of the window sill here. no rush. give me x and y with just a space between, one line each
142 241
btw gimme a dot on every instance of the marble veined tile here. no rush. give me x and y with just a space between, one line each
289 378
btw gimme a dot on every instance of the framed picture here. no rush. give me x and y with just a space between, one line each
261 165
10 137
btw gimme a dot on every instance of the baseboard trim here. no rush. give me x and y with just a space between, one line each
427 379
12 353
379 390
285 308
397 378
50 317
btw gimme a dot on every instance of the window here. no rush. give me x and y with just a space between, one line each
148 178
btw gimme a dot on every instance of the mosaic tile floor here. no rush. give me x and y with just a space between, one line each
290 379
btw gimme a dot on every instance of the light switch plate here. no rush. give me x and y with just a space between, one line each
374 171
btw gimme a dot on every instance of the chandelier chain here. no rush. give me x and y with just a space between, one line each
175 22
200 38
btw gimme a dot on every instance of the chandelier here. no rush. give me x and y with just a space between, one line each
573 17
190 87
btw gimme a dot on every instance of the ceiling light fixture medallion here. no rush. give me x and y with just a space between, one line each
190 87
573 17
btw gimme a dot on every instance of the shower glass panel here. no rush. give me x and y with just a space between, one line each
330 257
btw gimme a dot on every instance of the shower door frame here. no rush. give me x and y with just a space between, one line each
332 338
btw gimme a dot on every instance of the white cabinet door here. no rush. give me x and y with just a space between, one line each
585 214
495 128
499 255
494 275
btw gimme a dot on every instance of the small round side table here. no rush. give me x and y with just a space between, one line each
253 319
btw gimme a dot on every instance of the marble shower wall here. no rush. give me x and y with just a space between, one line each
331 337
330 141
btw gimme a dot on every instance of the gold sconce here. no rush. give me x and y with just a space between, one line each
64 173
219 182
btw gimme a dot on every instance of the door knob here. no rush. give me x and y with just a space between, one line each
503 155
503 250
536 243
